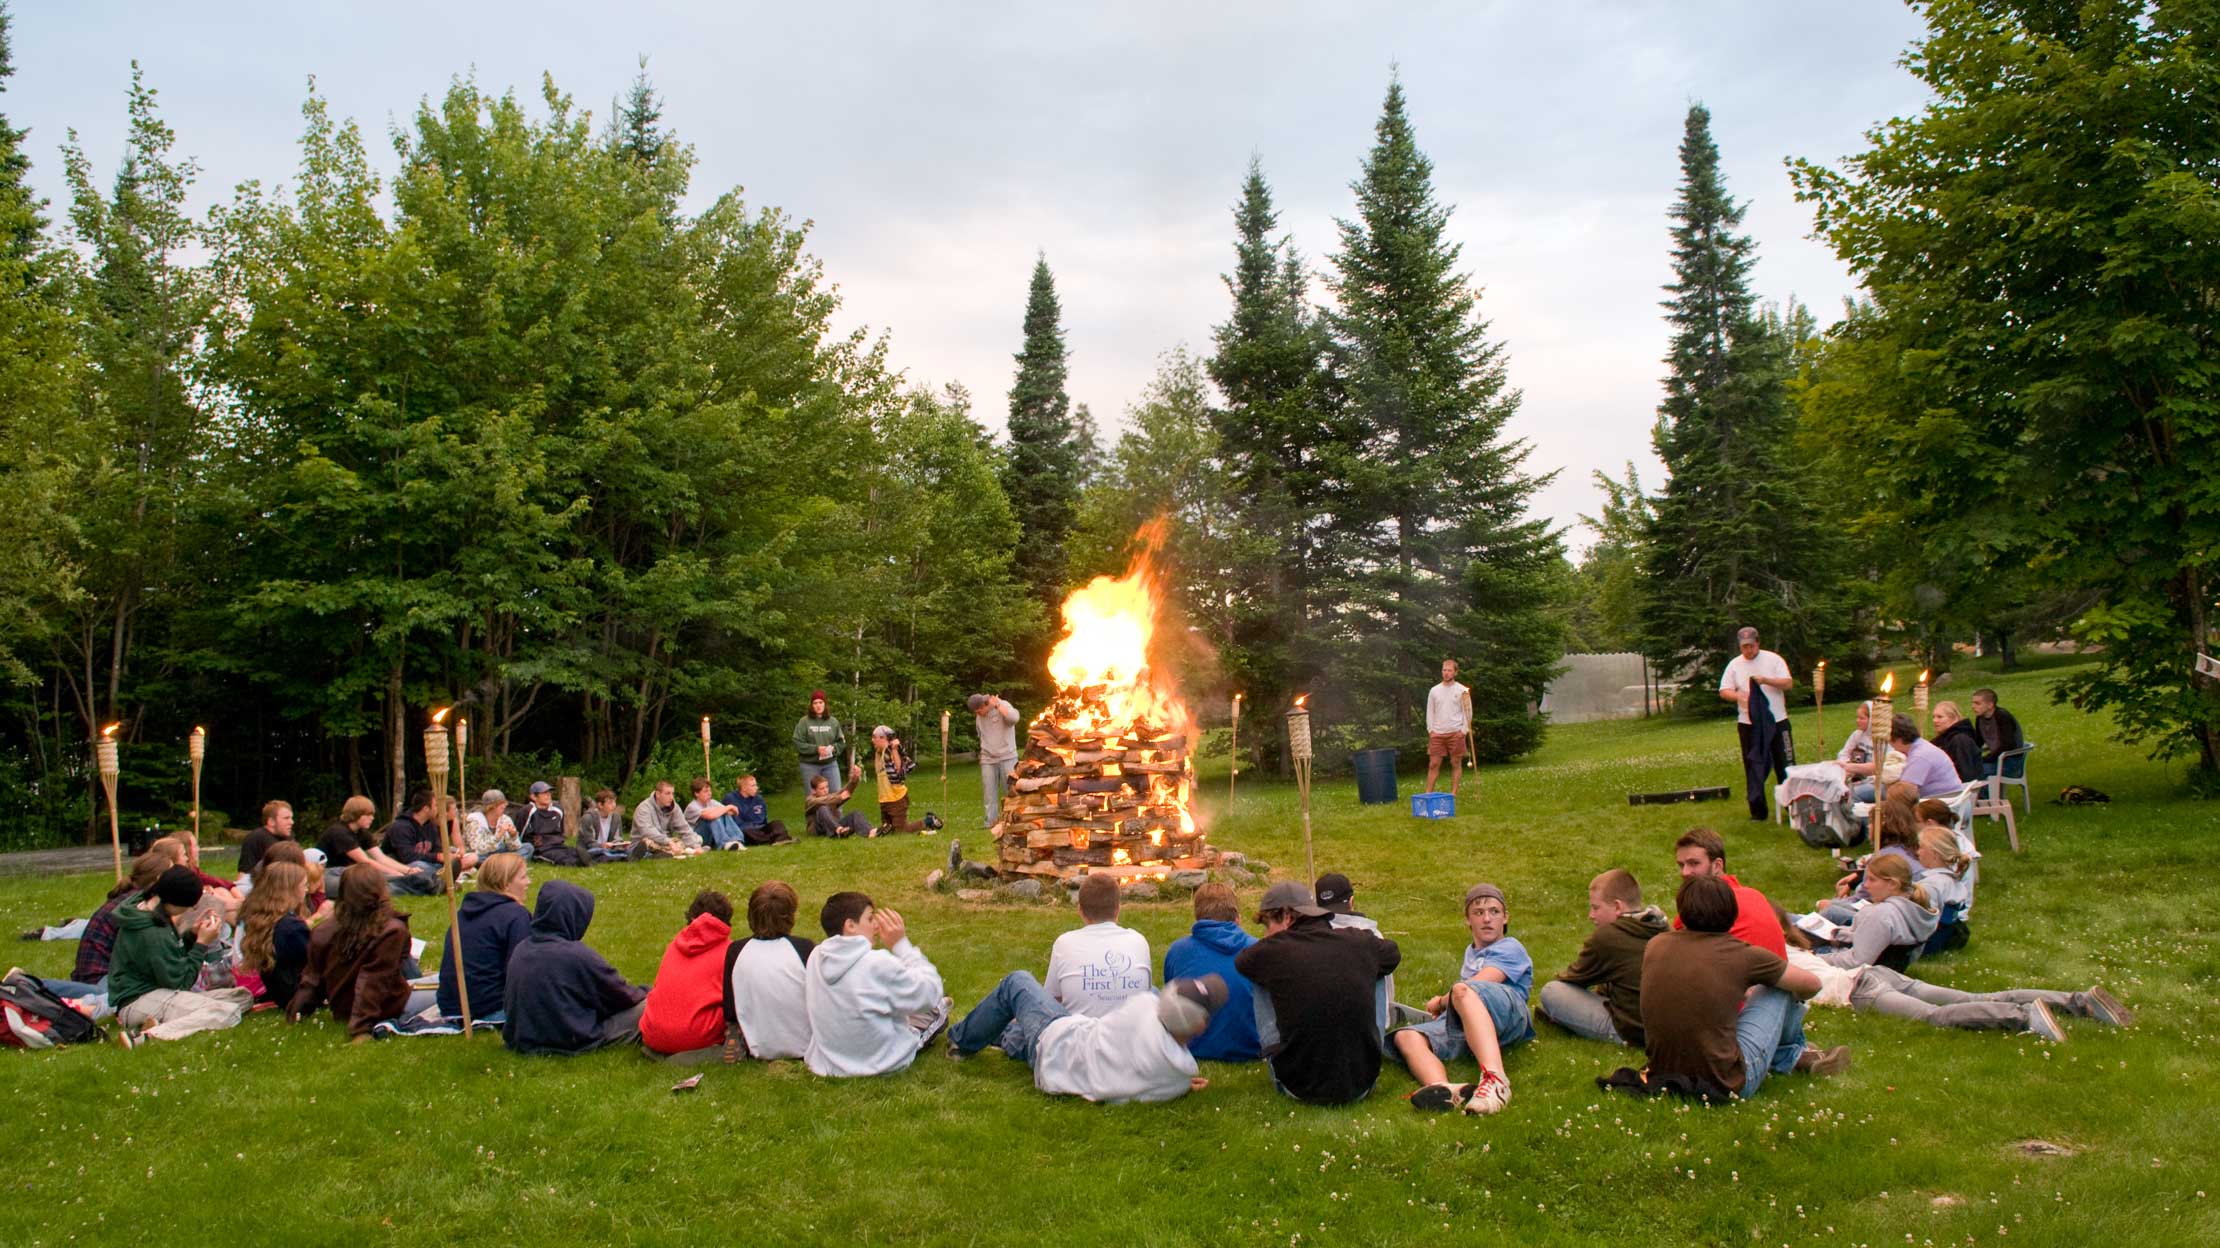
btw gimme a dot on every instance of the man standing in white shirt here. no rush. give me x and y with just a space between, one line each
997 723
1093 968
1762 720
1448 719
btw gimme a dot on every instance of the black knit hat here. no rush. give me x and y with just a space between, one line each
180 887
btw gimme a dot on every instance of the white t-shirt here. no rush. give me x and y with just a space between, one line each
1093 969
1125 1055
1737 678
1445 709
767 994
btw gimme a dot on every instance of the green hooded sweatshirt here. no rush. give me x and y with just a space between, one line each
151 954
813 731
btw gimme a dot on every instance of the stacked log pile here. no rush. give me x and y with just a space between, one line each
1092 795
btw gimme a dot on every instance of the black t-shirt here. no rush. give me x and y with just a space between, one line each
1319 979
337 842
251 849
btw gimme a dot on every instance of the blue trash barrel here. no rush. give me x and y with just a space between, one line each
1375 776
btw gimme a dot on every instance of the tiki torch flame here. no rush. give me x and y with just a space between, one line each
1888 684
439 717
109 732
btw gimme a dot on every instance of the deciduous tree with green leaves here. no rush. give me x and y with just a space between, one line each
2043 244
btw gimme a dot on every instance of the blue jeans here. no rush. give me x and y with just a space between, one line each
993 778
1011 1018
829 769
1445 1033
421 881
1771 1035
721 831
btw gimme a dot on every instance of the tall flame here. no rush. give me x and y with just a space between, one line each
1888 684
1108 626
110 730
1301 700
1923 675
439 717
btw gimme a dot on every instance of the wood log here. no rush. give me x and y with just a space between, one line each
1153 769
1141 742
1107 784
1041 784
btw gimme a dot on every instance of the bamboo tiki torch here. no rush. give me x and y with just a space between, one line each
944 758
105 752
1233 769
1298 747
1472 754
706 772
462 777
435 765
1819 703
1919 701
196 751
1884 710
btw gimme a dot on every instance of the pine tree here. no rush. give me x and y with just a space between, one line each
1273 442
636 121
1041 474
1442 559
21 221
1728 544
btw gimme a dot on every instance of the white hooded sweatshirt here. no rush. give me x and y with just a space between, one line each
1125 1055
860 1000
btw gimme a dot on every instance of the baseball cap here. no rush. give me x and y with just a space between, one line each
1289 895
1185 1005
180 887
541 786
1334 892
975 701
1478 891
314 856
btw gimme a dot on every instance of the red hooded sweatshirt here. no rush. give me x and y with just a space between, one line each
686 1007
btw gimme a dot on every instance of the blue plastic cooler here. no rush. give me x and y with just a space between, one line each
1433 805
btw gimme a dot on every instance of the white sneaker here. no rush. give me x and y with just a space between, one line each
2043 1024
1490 1095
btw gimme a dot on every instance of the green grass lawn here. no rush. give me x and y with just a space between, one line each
272 1133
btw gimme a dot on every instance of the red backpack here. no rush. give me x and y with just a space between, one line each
37 1019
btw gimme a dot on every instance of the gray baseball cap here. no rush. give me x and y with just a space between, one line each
1289 895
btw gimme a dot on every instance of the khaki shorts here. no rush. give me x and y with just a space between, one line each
1450 745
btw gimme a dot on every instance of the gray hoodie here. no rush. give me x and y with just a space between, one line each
859 1001
1883 926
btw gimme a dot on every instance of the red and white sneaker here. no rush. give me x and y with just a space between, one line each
1490 1095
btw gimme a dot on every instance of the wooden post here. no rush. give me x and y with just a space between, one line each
1233 763
566 792
1472 752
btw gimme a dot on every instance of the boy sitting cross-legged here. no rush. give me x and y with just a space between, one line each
1599 997
1482 1014
871 1008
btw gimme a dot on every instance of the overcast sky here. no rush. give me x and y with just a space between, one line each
938 146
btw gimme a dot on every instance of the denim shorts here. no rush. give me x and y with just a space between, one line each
1445 1035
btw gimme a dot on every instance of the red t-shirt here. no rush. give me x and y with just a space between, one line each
1754 921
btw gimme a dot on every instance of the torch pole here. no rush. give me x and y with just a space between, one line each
1233 766
1472 753
1884 710
944 758
435 765
1299 749
196 749
1819 704
105 753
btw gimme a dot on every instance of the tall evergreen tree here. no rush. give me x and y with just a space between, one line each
1729 543
1041 473
636 121
1273 441
23 223
1443 560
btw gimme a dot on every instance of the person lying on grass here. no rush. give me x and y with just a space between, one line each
767 974
685 1017
1708 1034
360 962
1317 987
872 997
1481 1015
1093 968
1599 997
489 927
1898 915
562 997
158 959
1136 1052
1209 948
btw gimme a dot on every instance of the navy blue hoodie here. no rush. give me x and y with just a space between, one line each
559 991
1231 1035
492 926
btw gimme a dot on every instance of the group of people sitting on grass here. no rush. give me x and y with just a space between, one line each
1716 996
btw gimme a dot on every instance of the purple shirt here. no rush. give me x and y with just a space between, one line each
1928 767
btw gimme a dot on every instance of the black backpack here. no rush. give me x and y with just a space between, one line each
37 1019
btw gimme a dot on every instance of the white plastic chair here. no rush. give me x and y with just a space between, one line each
2011 769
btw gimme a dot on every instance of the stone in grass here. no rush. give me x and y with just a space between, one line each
933 879
1236 877
975 894
1143 891
1232 858
1025 889
1190 880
